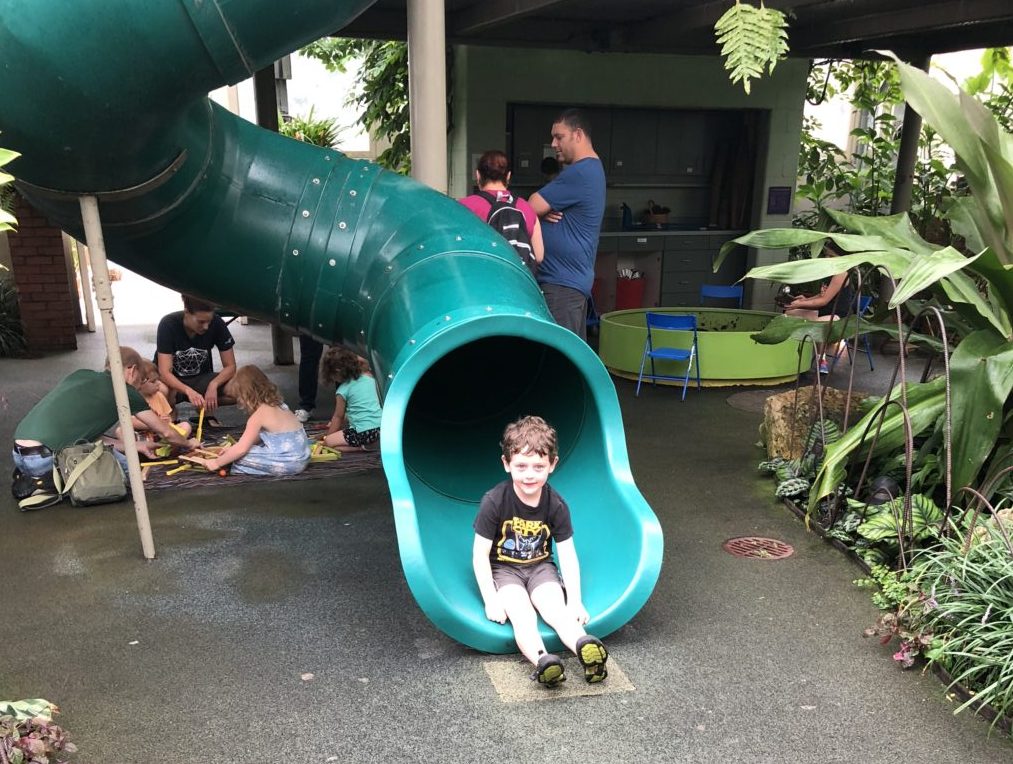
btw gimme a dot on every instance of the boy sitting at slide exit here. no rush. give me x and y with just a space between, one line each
512 556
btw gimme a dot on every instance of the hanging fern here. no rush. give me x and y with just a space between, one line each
751 38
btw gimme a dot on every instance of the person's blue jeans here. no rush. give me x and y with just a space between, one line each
36 465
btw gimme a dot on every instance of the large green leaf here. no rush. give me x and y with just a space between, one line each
961 289
783 328
941 110
885 524
926 403
896 230
786 238
1002 179
963 214
27 709
981 371
803 271
6 155
925 271
999 277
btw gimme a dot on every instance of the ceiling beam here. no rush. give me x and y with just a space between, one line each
492 13
931 19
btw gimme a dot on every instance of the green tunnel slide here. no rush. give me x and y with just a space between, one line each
109 97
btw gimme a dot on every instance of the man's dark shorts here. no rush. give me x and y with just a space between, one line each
528 576
199 383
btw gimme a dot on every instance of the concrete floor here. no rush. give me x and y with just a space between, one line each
205 653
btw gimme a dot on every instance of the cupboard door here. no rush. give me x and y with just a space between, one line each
633 155
685 146
530 142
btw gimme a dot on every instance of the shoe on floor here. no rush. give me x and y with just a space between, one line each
549 671
302 415
824 366
592 656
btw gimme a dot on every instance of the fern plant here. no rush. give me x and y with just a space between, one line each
7 221
751 39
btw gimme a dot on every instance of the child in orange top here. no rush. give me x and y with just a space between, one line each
154 392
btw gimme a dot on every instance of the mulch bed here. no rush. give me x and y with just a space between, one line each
347 464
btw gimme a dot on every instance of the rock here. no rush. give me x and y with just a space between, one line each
785 427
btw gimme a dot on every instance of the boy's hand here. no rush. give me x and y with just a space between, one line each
579 612
495 612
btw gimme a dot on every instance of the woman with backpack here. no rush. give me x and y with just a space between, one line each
509 215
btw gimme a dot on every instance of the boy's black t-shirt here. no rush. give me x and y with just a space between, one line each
191 356
522 535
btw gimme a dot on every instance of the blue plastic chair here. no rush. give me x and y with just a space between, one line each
733 292
654 348
864 304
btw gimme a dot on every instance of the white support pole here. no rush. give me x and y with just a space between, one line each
104 296
83 259
427 91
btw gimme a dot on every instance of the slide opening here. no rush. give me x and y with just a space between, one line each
458 409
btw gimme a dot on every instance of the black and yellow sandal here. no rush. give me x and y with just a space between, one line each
549 671
592 656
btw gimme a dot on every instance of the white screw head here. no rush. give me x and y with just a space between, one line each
316 181
411 342
305 213
353 192
342 225
332 262
446 318
295 253
488 308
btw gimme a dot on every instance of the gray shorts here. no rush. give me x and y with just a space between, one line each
528 576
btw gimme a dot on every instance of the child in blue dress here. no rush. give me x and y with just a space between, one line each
356 422
282 448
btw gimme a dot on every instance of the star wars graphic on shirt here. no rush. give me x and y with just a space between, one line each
188 363
523 541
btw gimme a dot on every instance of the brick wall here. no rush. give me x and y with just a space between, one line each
45 297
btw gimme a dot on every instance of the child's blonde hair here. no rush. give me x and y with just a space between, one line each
252 388
530 434
340 365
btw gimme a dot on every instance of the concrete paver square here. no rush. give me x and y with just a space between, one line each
511 679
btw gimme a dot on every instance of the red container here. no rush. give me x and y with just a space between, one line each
629 293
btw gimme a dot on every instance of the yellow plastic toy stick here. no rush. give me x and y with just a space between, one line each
156 464
200 425
178 469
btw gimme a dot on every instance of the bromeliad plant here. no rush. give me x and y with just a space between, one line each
975 292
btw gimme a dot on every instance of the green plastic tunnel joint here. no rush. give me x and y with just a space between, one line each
454 327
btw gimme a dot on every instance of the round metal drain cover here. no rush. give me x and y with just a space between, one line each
758 548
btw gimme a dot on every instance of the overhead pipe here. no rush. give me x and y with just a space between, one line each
455 329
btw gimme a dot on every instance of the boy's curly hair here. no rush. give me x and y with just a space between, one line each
530 434
340 365
252 388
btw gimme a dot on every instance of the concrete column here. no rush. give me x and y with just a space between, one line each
427 91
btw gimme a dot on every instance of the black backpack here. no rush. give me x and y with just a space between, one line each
508 221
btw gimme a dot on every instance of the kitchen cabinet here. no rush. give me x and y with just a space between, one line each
687 265
685 147
634 146
530 141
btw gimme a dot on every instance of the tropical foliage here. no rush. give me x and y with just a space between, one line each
319 132
752 39
28 734
381 93
975 291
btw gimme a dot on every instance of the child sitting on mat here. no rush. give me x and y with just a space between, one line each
283 448
518 521
154 392
356 422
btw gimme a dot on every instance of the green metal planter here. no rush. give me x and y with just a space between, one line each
727 354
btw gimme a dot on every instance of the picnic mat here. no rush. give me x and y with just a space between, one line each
347 464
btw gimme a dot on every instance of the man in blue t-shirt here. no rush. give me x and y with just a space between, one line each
571 207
